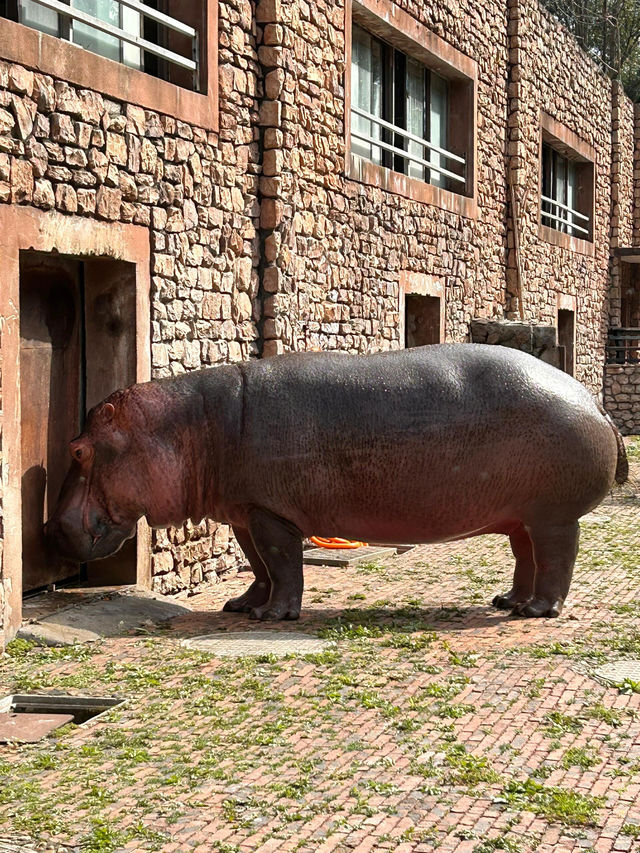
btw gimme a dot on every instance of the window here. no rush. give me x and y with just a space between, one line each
141 35
400 114
566 200
422 320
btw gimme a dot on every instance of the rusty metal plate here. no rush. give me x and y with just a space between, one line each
30 728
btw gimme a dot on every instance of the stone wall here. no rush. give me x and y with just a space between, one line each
581 102
338 246
622 396
70 149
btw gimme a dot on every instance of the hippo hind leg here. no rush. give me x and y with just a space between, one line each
259 591
555 548
279 544
523 577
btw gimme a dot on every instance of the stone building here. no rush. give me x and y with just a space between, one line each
192 183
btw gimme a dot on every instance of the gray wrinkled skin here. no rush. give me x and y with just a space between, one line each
424 445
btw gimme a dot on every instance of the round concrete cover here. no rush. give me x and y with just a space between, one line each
236 644
617 671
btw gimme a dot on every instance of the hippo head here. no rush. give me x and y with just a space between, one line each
99 502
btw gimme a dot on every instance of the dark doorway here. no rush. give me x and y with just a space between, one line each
77 345
630 296
421 320
566 337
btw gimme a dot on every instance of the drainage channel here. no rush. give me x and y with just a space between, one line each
28 717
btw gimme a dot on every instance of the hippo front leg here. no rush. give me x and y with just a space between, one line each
279 544
259 591
555 548
523 577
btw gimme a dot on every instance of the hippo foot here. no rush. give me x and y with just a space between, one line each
256 596
508 601
274 612
538 607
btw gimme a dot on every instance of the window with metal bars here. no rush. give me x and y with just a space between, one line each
400 114
566 203
150 36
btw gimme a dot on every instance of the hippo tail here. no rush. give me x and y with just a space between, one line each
622 468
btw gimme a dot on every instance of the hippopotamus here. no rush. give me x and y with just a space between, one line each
431 444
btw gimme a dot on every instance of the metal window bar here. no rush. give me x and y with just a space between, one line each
130 38
379 143
623 346
407 135
565 207
548 215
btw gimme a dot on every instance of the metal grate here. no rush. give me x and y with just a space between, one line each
554 210
623 346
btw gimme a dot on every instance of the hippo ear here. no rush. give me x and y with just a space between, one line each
104 415
107 412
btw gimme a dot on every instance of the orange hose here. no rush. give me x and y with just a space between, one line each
335 542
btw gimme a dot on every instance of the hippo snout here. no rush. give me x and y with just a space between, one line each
67 540
67 537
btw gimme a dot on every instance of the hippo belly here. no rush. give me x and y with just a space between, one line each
426 445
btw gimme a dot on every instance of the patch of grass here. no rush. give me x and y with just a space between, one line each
604 715
633 450
466 769
553 803
501 842
30 652
631 829
453 710
558 724
412 642
371 568
579 757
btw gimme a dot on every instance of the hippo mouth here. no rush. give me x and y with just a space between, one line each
74 543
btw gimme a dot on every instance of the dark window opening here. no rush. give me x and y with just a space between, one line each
566 336
623 346
406 117
421 320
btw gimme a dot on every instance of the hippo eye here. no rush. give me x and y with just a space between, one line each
80 452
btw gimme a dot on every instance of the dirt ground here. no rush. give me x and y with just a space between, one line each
431 721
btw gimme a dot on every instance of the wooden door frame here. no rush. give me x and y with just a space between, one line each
24 228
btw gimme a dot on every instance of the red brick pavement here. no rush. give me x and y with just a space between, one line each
411 736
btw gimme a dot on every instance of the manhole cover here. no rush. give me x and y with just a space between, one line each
618 671
236 644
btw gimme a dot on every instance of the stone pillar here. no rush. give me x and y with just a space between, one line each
277 287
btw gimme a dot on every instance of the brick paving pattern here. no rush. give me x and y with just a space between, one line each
432 722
